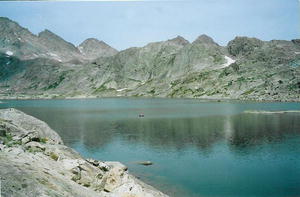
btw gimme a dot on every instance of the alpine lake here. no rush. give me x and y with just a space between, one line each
197 147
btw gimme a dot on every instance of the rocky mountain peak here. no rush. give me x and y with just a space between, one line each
5 20
9 28
57 47
93 42
14 39
243 45
179 40
48 35
92 48
204 39
296 41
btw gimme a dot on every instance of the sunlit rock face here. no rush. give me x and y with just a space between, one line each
25 45
92 48
46 66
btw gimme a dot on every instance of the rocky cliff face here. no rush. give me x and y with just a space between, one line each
247 68
34 162
19 42
57 48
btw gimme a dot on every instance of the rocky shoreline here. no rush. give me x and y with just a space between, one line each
35 162
217 99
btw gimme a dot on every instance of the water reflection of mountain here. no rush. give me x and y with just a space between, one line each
242 130
173 133
158 133
255 129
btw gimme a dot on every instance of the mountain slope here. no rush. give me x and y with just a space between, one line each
247 68
57 48
18 41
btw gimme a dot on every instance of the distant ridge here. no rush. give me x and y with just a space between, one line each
46 44
46 66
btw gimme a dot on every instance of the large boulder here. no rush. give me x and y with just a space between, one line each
23 125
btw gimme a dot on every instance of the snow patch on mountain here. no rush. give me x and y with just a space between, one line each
9 53
228 61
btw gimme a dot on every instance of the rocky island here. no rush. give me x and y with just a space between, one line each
46 66
35 162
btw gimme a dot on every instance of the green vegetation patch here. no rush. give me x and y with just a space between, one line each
103 88
54 156
56 83
7 139
293 87
43 140
249 91
181 92
152 91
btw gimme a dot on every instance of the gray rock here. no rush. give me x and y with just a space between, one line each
25 125
35 146
92 48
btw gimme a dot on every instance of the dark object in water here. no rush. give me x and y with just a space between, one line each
141 115
145 163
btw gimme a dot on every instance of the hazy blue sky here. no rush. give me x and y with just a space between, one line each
126 24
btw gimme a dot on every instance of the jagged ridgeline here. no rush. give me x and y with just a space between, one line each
46 66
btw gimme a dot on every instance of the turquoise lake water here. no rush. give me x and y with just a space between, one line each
198 148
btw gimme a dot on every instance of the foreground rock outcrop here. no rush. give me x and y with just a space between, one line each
34 162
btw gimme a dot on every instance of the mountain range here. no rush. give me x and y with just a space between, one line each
47 66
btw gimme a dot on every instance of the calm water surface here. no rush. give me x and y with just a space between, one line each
198 148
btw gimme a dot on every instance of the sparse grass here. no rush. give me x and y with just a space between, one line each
249 91
34 150
6 137
102 88
87 184
241 79
56 83
224 73
13 143
152 91
44 140
58 97
54 156
76 177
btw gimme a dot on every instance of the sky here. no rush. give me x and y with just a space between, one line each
136 23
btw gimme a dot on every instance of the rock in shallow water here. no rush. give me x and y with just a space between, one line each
145 163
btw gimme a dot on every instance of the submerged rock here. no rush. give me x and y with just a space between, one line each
145 163
35 167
